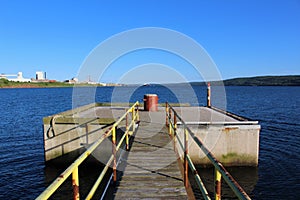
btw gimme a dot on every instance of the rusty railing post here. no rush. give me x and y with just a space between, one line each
87 133
186 151
75 184
217 185
114 153
174 135
167 120
208 95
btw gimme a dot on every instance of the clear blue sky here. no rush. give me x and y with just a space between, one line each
244 38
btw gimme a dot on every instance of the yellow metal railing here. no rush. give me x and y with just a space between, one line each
220 171
73 168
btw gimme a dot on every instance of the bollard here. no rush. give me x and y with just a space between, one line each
150 102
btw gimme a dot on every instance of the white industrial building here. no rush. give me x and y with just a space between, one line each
15 77
40 76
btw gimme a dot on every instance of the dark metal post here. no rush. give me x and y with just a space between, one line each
186 151
167 121
170 124
175 128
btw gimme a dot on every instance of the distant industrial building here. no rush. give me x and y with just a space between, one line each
40 76
72 81
15 77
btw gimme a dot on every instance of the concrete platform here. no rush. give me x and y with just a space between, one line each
232 139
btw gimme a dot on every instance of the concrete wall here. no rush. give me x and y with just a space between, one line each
69 137
232 145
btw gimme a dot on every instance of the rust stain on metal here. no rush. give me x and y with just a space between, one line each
228 129
218 189
195 172
75 189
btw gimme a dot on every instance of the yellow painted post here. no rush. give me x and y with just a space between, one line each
186 151
114 153
127 142
127 139
132 118
137 113
75 184
218 177
175 142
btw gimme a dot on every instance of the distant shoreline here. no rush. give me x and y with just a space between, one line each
293 80
5 84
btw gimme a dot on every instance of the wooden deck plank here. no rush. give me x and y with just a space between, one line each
152 170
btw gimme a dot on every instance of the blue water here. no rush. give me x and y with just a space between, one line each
22 169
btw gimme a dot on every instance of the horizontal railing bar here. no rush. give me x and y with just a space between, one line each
220 123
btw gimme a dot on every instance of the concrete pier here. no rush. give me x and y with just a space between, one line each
153 164
232 139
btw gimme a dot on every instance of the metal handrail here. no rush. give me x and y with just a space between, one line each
220 171
73 168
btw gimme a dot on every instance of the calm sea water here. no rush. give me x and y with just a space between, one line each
23 174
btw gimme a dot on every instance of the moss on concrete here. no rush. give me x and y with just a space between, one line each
235 159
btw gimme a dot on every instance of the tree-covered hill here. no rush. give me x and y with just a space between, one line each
265 81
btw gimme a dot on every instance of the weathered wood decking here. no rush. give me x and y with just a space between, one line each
152 170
